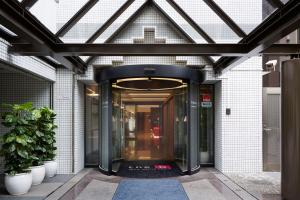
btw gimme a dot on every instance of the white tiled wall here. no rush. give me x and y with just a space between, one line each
238 136
79 126
62 104
69 95
27 63
21 88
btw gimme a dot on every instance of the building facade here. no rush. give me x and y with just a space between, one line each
229 105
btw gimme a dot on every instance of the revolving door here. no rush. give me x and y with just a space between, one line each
149 112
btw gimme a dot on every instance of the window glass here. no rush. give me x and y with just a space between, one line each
209 21
92 125
180 128
45 11
92 21
247 14
206 124
66 10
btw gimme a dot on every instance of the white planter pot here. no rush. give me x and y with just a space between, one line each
38 174
51 168
18 184
204 157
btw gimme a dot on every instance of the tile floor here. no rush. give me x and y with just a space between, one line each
208 184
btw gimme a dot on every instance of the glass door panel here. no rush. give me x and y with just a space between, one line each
194 125
105 121
92 126
206 124
180 128
117 135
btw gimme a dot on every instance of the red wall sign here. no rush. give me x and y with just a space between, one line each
206 97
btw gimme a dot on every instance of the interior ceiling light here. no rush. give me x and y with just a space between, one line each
149 94
149 84
92 93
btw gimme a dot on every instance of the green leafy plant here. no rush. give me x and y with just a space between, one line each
17 142
38 140
46 134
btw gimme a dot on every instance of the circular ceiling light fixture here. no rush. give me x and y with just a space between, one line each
149 83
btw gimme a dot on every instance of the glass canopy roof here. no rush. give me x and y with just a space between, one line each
246 14
218 24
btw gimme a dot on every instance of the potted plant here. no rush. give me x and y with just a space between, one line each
46 126
38 168
16 148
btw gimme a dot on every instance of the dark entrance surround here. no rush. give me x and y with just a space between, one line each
109 153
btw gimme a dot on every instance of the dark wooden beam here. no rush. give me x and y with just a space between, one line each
276 3
114 49
19 20
28 3
282 49
65 28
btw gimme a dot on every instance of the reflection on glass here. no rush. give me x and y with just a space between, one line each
104 131
117 135
180 128
148 125
143 134
194 126
206 124
92 125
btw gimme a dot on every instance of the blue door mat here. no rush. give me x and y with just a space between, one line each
150 189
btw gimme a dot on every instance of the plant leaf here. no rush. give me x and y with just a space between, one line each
23 153
21 140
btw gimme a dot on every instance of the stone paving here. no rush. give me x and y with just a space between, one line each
208 184
260 185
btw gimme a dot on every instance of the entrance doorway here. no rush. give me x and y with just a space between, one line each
143 134
144 119
150 113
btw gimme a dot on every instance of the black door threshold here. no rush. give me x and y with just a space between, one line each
149 169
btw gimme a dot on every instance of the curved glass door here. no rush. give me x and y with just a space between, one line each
117 129
194 126
180 128
105 128
150 125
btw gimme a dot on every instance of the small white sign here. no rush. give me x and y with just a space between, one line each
207 104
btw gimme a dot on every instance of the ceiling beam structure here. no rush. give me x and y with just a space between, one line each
34 39
28 3
218 10
111 20
191 21
117 14
25 25
276 3
279 24
182 31
15 39
80 13
115 49
282 49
